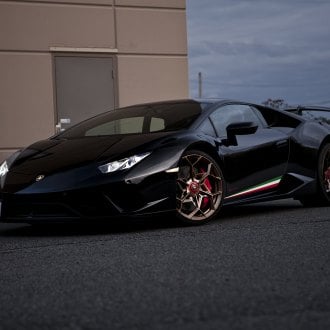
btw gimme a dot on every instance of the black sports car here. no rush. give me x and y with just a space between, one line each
185 156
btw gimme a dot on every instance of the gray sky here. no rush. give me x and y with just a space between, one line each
258 49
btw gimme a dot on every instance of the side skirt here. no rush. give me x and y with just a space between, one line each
290 185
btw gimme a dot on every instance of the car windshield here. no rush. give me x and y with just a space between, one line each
138 119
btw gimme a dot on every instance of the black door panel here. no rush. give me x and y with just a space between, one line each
257 158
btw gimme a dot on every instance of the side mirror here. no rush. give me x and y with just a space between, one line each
243 128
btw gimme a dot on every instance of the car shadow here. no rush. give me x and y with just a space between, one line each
118 226
130 225
248 210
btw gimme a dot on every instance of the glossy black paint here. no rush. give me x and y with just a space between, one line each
280 145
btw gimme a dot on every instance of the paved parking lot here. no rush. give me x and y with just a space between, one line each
263 266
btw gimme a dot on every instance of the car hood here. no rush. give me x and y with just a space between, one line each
53 155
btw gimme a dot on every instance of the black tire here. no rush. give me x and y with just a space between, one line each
200 188
322 196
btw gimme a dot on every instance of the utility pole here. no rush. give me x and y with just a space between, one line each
200 85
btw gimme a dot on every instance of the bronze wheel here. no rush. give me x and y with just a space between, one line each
199 188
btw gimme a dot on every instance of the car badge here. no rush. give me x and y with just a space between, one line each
39 177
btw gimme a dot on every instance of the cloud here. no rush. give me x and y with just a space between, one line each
259 49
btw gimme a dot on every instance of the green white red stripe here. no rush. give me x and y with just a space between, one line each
258 188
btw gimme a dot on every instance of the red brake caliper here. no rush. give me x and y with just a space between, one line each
207 183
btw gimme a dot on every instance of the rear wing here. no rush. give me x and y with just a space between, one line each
320 114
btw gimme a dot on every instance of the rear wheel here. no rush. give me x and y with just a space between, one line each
199 188
322 197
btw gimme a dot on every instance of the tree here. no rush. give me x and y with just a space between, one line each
276 103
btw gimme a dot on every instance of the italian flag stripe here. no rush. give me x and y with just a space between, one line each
261 187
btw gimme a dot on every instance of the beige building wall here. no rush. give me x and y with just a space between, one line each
146 38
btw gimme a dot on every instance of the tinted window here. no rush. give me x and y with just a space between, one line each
138 119
233 113
157 124
207 128
120 126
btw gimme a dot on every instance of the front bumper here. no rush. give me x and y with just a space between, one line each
154 194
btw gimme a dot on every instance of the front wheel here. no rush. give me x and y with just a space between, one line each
322 197
200 188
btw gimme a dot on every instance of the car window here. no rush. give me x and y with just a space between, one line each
120 126
233 113
157 124
207 128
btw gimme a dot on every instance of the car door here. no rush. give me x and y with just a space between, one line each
254 160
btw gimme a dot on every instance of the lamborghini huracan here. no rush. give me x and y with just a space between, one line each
187 157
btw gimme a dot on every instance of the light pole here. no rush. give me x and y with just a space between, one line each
200 85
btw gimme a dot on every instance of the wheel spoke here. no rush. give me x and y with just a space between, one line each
191 167
207 173
182 185
212 206
197 203
210 194
191 215
186 199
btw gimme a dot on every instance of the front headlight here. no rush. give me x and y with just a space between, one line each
3 169
123 164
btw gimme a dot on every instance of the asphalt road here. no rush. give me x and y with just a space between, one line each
263 266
